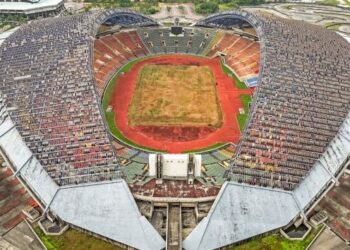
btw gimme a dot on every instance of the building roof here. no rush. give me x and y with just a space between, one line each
29 7
243 211
240 212
107 209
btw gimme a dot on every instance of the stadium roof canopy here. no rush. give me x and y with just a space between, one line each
107 209
241 211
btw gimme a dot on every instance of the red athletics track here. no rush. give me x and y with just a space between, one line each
229 101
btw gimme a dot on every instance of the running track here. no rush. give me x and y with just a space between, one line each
229 101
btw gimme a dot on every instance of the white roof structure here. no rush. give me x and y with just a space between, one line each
24 163
28 7
241 211
175 157
39 181
106 208
346 37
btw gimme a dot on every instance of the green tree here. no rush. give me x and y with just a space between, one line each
207 8
125 3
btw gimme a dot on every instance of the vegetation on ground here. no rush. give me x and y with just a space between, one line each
206 7
242 118
212 6
174 1
147 7
334 26
152 6
110 115
175 95
227 6
9 22
73 239
329 2
278 242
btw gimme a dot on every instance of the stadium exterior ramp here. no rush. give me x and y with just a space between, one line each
242 211
49 107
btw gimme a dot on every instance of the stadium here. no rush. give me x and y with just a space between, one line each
154 137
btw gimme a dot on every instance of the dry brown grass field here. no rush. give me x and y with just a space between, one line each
175 95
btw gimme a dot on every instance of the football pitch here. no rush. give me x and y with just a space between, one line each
175 95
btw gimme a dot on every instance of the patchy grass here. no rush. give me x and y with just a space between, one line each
333 26
242 118
12 21
175 95
73 239
229 72
145 7
110 116
330 2
227 6
277 242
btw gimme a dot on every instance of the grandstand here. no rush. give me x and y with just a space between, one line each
241 54
53 133
190 41
309 115
112 51
77 143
